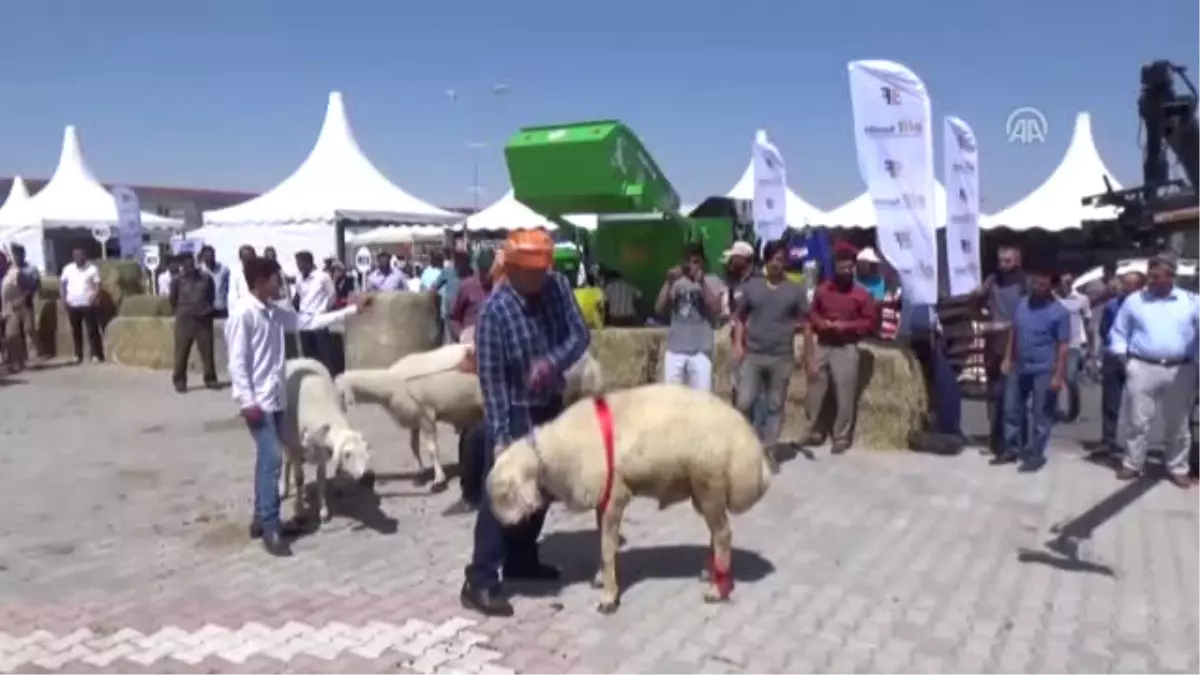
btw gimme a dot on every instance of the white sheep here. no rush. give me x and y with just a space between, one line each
670 443
420 390
316 431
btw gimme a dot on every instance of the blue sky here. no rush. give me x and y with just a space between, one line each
226 94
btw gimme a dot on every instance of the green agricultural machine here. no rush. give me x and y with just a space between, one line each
602 168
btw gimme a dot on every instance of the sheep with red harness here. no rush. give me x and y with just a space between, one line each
665 442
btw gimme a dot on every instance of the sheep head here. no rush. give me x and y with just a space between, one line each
351 455
512 485
315 444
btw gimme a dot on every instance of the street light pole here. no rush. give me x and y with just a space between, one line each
476 147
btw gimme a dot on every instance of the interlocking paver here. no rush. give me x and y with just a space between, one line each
125 550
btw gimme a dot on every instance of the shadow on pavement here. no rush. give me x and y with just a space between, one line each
578 553
1062 551
346 499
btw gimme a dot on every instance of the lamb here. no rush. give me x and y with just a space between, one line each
669 443
420 390
316 431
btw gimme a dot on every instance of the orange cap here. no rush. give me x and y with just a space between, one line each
530 249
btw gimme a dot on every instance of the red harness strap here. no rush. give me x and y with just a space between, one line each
604 416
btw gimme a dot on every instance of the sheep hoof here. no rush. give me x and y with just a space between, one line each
608 606
598 580
439 486
714 596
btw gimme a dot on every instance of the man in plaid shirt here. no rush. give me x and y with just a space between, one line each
530 331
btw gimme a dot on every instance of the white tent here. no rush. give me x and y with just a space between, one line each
18 194
799 211
397 234
509 214
72 199
860 211
1056 204
335 181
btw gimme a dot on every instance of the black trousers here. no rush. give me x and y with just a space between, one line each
319 345
471 447
82 318
197 330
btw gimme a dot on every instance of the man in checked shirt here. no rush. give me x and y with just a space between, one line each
529 332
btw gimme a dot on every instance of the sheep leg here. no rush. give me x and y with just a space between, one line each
610 540
429 428
414 439
322 505
297 478
720 576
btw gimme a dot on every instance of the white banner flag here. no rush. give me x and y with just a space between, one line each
962 206
895 157
129 223
770 190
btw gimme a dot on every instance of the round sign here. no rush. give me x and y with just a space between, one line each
102 233
362 260
151 261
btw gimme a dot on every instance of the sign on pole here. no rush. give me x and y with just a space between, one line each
129 222
151 257
102 233
362 259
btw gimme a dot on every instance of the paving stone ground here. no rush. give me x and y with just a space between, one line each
123 535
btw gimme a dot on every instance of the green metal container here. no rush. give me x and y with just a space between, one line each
586 167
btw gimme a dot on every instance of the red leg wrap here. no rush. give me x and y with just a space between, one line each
721 578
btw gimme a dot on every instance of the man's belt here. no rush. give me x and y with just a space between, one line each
1166 363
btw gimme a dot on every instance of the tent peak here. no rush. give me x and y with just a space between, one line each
17 192
71 164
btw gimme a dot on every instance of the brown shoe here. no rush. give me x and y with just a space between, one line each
1181 480
1126 473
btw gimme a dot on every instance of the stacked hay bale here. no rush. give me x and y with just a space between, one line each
893 399
398 324
149 342
119 279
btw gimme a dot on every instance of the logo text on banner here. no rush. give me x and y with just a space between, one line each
129 223
1026 125
770 189
895 147
961 165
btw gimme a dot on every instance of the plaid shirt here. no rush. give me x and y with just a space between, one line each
513 333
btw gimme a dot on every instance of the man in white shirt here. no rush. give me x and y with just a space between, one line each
1080 308
220 276
620 300
238 288
255 334
314 297
79 288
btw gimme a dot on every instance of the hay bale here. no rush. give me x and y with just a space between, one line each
49 289
397 325
52 330
119 279
149 342
145 306
628 356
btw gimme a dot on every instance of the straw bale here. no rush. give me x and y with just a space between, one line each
145 306
397 325
629 357
53 331
149 342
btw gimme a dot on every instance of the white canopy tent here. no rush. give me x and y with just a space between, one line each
72 199
336 181
18 194
397 234
509 214
799 212
1056 204
860 211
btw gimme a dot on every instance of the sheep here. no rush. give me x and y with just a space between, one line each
584 378
670 443
420 390
316 431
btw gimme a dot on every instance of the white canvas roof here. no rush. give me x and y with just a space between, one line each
73 198
18 194
860 211
509 214
397 234
1056 204
335 181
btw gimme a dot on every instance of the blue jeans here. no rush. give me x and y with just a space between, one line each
497 546
268 463
1029 403
1074 368
1112 385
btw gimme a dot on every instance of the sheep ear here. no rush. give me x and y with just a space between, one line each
317 438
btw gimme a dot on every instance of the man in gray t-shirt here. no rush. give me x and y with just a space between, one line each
764 341
692 300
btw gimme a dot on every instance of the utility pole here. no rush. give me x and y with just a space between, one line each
476 147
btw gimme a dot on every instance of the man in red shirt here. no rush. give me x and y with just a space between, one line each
841 314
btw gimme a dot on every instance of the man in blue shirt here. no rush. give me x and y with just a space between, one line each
1155 334
530 332
1112 370
1035 367
1002 291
